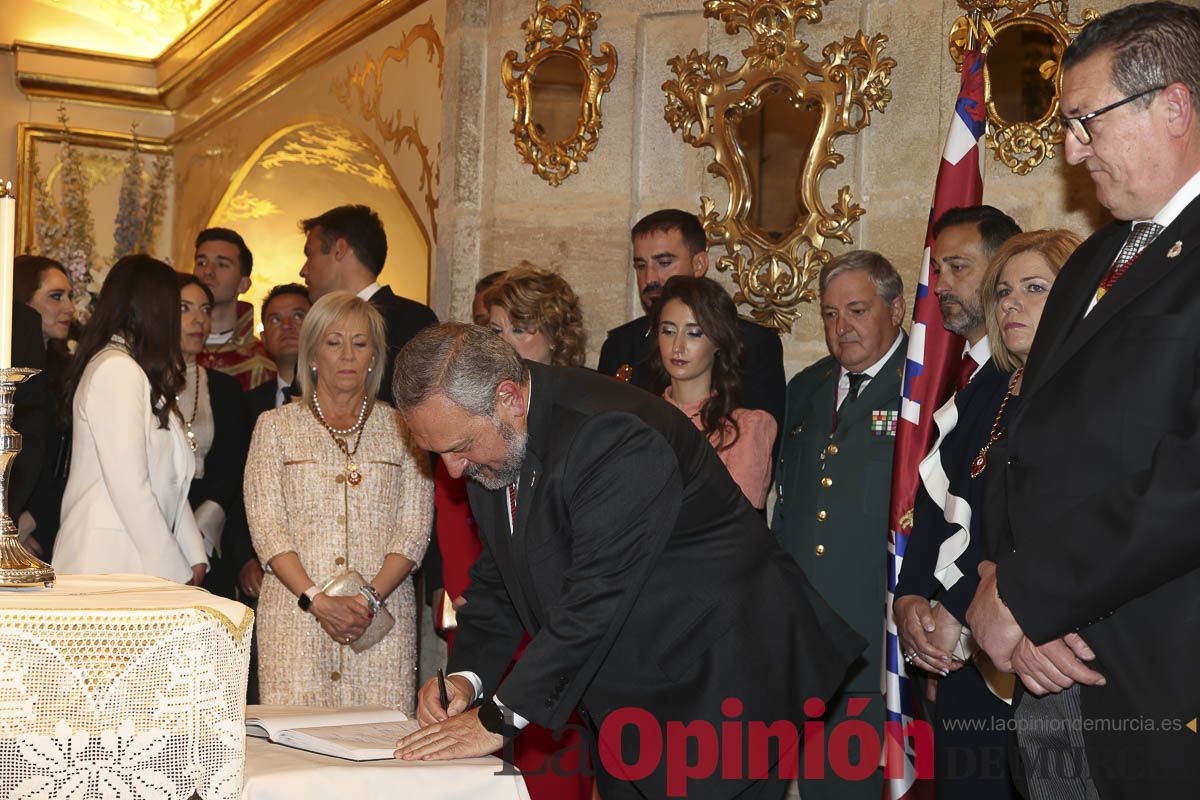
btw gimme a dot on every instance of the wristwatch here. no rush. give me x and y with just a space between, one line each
497 720
307 596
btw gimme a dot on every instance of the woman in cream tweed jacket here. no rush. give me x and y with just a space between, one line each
315 511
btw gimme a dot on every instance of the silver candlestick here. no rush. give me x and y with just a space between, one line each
18 567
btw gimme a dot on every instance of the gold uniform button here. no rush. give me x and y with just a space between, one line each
827 481
341 519
821 516
335 676
339 560
832 449
340 479
820 550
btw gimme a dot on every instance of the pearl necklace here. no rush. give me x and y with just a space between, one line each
362 416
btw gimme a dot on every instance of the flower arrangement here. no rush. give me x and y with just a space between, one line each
64 227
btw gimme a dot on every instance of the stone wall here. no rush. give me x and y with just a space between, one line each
495 212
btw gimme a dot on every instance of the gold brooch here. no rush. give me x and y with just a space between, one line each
1175 250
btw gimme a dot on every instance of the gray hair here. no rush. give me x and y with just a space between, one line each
888 282
465 363
1153 44
330 309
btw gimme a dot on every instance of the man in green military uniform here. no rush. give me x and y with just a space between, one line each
834 481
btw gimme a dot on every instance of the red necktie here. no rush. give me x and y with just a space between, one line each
512 505
965 370
1139 238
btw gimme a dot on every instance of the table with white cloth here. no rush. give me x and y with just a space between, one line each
276 772
122 686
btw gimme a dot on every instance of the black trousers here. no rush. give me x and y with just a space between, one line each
972 740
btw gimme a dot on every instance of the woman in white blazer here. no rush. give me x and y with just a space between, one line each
125 508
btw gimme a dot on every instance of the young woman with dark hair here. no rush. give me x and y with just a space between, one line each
696 368
44 285
125 507
216 424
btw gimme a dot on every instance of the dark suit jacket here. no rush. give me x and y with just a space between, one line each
976 406
260 399
31 411
763 382
404 318
45 500
1103 485
641 572
851 570
222 481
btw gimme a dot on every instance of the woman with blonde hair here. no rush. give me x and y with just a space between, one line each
1013 293
337 498
538 313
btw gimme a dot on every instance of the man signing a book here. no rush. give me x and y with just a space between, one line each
615 537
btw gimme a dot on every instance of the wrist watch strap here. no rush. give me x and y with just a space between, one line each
497 720
307 596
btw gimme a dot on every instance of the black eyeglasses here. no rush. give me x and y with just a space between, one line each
1078 125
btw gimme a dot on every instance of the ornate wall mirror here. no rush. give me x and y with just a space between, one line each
556 90
772 123
1022 73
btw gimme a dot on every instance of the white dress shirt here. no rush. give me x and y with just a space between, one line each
843 388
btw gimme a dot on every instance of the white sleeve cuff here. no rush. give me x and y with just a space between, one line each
517 719
476 683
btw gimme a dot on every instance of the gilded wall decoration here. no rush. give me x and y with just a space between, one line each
245 205
772 123
557 89
334 146
1023 49
364 82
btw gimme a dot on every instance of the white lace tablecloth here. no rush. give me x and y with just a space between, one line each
275 772
122 687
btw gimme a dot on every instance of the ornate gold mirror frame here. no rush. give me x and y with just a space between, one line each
707 101
557 32
1020 144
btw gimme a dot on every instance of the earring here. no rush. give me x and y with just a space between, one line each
370 368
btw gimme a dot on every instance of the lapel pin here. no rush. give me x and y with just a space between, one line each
1175 250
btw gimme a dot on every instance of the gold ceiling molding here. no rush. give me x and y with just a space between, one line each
364 81
229 35
709 102
1023 143
364 19
558 33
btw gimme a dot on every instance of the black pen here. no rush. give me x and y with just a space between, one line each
442 690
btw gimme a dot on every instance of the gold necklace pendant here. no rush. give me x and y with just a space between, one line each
353 476
980 462
191 438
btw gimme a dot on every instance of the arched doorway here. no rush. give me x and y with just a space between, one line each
302 170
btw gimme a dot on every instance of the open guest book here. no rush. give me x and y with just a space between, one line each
364 733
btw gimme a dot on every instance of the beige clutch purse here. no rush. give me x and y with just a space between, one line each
348 584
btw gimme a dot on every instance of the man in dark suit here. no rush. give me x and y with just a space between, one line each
283 313
970 759
344 250
671 242
834 475
31 406
644 577
1103 475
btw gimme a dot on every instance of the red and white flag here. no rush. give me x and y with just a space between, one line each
929 372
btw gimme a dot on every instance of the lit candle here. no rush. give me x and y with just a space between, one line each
8 220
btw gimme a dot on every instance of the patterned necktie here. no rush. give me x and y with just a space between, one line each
965 370
1142 235
512 506
857 379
